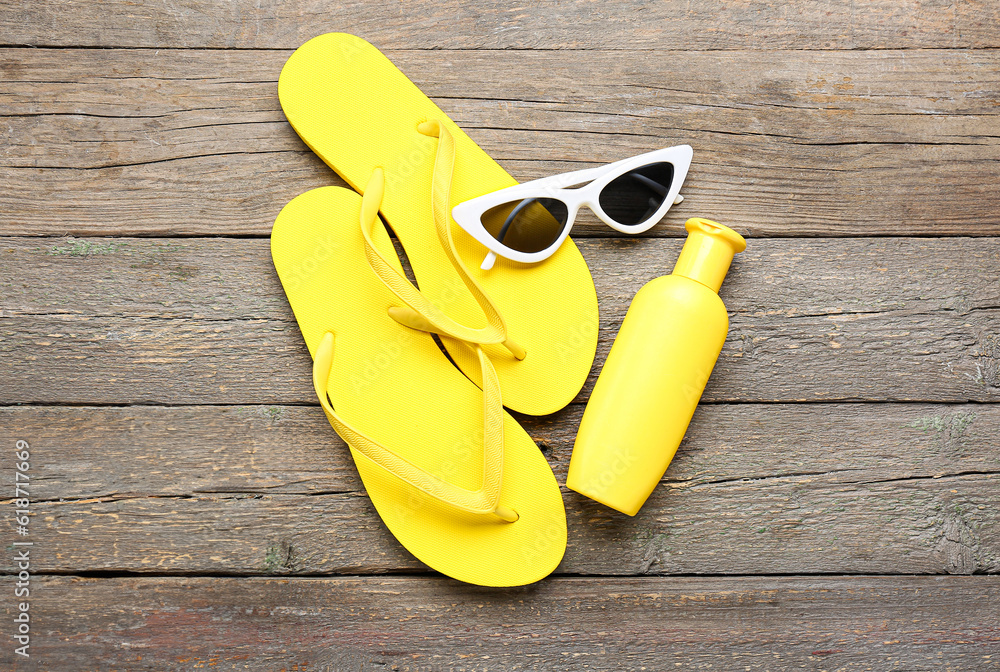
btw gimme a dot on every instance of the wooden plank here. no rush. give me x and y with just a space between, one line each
181 451
147 142
811 320
755 489
368 624
810 24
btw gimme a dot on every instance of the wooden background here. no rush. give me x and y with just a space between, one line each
835 504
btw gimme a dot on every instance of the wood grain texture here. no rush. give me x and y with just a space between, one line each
181 321
413 624
754 489
291 450
787 143
202 512
579 24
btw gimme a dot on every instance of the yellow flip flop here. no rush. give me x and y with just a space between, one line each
359 113
453 476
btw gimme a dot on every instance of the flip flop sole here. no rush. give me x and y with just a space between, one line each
358 112
395 385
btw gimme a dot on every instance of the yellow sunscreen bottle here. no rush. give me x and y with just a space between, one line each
655 373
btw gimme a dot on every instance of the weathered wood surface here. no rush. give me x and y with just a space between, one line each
414 624
290 450
755 489
198 448
787 143
181 321
579 24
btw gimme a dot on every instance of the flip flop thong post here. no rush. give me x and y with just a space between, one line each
453 476
360 114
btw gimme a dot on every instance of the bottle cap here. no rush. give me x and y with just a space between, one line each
708 251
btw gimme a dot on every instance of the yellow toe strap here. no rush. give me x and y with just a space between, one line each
419 312
482 501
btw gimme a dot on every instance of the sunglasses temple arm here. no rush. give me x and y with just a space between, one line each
510 218
491 257
656 186
652 184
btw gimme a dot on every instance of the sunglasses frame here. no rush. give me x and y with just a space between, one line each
468 214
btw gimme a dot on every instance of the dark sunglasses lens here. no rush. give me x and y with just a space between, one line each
634 197
531 225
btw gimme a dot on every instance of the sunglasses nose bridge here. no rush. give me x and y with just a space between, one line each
584 196
589 201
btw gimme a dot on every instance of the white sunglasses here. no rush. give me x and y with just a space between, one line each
528 222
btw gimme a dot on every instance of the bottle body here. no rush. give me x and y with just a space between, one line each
648 391
655 373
